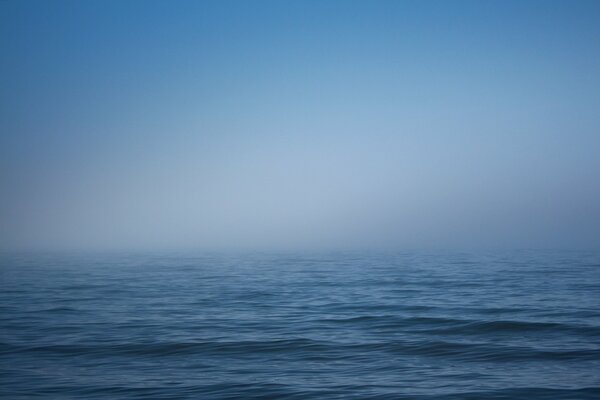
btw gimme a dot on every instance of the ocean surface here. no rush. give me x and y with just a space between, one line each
519 325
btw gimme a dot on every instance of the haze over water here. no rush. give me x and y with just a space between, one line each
300 124
299 199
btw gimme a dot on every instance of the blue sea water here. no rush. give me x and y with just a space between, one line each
520 325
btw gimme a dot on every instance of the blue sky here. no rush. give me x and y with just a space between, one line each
299 124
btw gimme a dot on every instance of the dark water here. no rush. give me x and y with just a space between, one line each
524 325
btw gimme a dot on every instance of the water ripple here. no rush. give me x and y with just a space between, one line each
404 326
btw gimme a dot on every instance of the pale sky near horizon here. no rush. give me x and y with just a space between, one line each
299 124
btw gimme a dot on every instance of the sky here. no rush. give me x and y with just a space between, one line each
299 124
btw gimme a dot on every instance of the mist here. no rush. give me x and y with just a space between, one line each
299 125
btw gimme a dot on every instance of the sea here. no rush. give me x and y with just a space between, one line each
405 325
